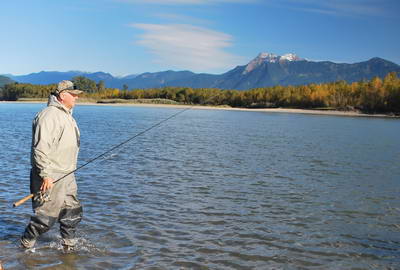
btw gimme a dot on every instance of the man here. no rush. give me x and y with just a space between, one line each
55 146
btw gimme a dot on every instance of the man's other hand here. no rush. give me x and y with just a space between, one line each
46 184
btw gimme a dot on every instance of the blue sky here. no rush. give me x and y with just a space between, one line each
134 36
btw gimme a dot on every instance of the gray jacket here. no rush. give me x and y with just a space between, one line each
55 140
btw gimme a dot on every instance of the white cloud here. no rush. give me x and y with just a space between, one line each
185 46
341 7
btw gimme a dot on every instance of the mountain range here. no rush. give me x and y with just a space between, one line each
266 69
5 80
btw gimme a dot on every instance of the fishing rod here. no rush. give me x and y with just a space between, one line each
30 196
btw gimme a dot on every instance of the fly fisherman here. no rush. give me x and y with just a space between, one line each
55 146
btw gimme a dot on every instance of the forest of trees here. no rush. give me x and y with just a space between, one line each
374 96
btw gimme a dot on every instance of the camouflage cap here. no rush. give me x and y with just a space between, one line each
67 86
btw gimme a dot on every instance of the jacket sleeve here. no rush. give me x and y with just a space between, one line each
44 139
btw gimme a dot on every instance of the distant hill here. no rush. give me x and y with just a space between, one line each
5 80
145 80
159 79
49 77
265 70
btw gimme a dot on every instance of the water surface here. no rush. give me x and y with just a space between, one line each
215 189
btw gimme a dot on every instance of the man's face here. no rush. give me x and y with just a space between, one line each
68 99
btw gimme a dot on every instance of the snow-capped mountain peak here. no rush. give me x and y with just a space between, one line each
271 58
290 57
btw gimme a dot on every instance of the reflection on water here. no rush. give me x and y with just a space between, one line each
216 190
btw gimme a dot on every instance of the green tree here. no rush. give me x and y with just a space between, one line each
10 92
85 84
101 86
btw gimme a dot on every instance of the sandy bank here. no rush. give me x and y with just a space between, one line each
199 107
266 110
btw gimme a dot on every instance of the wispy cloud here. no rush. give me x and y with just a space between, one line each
186 46
173 17
340 7
185 2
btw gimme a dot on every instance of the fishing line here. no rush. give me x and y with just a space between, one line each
124 142
106 152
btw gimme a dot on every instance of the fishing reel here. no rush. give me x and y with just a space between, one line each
41 197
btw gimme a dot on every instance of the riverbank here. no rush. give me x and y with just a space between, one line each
201 107
266 110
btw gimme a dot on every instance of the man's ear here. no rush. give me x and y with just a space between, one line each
60 97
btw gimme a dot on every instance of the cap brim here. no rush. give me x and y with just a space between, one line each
76 92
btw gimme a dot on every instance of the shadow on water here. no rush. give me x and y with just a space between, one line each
54 260
48 252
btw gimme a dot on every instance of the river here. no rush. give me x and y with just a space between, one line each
215 189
